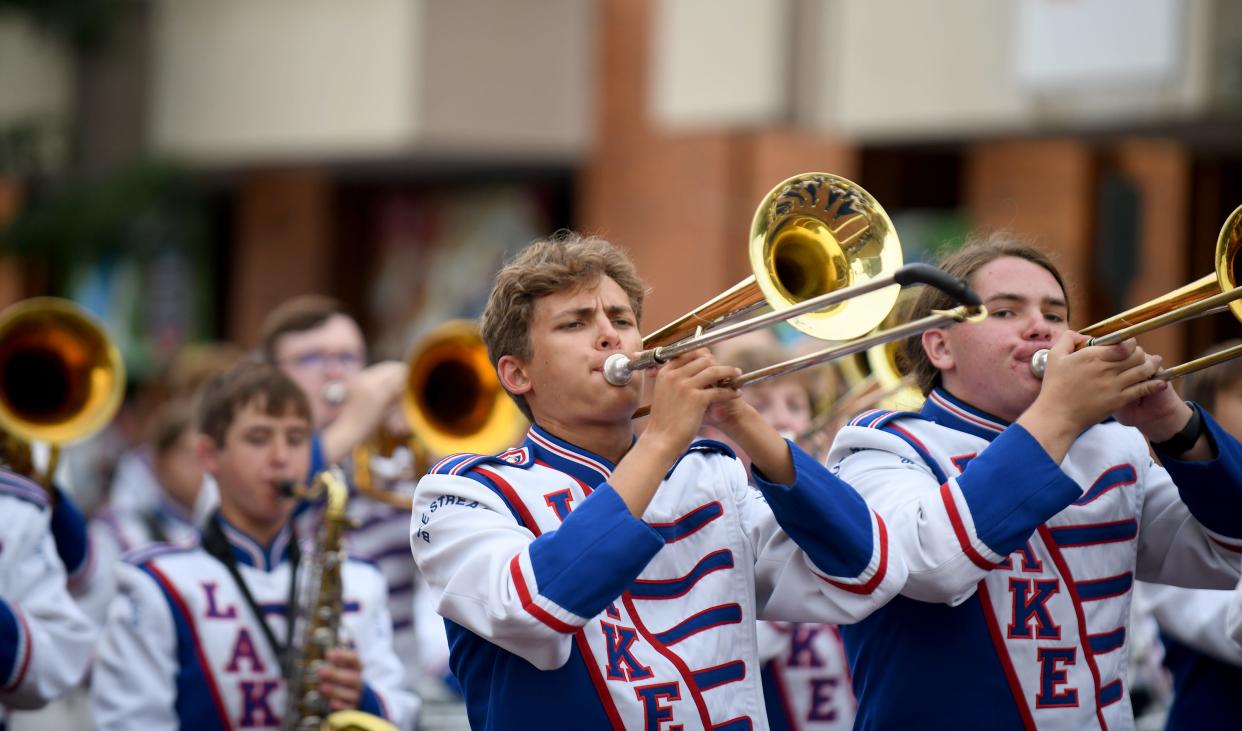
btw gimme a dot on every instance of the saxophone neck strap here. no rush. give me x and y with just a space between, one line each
216 544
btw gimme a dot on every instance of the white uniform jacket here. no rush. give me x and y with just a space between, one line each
806 677
1016 609
45 640
182 648
561 606
115 533
1205 663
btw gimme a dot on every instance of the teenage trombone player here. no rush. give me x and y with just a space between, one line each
623 575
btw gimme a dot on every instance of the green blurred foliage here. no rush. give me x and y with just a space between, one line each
82 24
134 211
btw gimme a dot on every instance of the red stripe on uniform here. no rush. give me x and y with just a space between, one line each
908 435
584 646
198 647
597 679
527 519
1002 654
528 602
959 530
695 693
880 570
1227 546
1083 639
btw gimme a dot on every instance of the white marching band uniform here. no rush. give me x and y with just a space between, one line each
563 607
45 640
182 649
806 677
1016 608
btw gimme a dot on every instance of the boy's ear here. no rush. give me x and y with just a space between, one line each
208 452
937 347
513 375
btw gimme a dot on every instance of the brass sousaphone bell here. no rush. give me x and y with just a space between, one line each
453 399
453 402
61 378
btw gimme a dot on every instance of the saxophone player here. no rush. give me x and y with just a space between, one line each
198 636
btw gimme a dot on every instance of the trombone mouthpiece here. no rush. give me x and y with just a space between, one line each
1039 363
617 369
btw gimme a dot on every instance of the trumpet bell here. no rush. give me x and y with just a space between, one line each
815 233
61 376
453 400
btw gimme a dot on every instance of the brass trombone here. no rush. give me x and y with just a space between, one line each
1209 294
61 379
826 259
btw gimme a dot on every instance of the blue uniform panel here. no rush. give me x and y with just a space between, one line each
911 659
491 677
1206 690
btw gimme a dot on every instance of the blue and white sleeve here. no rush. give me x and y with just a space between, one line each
524 593
45 640
822 554
953 530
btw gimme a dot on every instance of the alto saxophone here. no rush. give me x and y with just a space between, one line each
307 709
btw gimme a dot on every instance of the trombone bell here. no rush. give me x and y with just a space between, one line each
812 234
816 233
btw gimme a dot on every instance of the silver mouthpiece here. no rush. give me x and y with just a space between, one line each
1039 363
617 369
335 392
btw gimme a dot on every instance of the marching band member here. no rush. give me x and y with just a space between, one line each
45 640
181 492
318 345
321 348
179 474
1026 514
805 675
197 636
590 579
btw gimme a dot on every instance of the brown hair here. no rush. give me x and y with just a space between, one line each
564 261
180 380
302 313
963 263
1203 387
170 422
231 391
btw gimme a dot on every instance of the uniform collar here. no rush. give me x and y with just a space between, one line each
250 552
559 454
945 409
172 513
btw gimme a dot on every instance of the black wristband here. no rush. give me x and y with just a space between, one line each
1181 442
